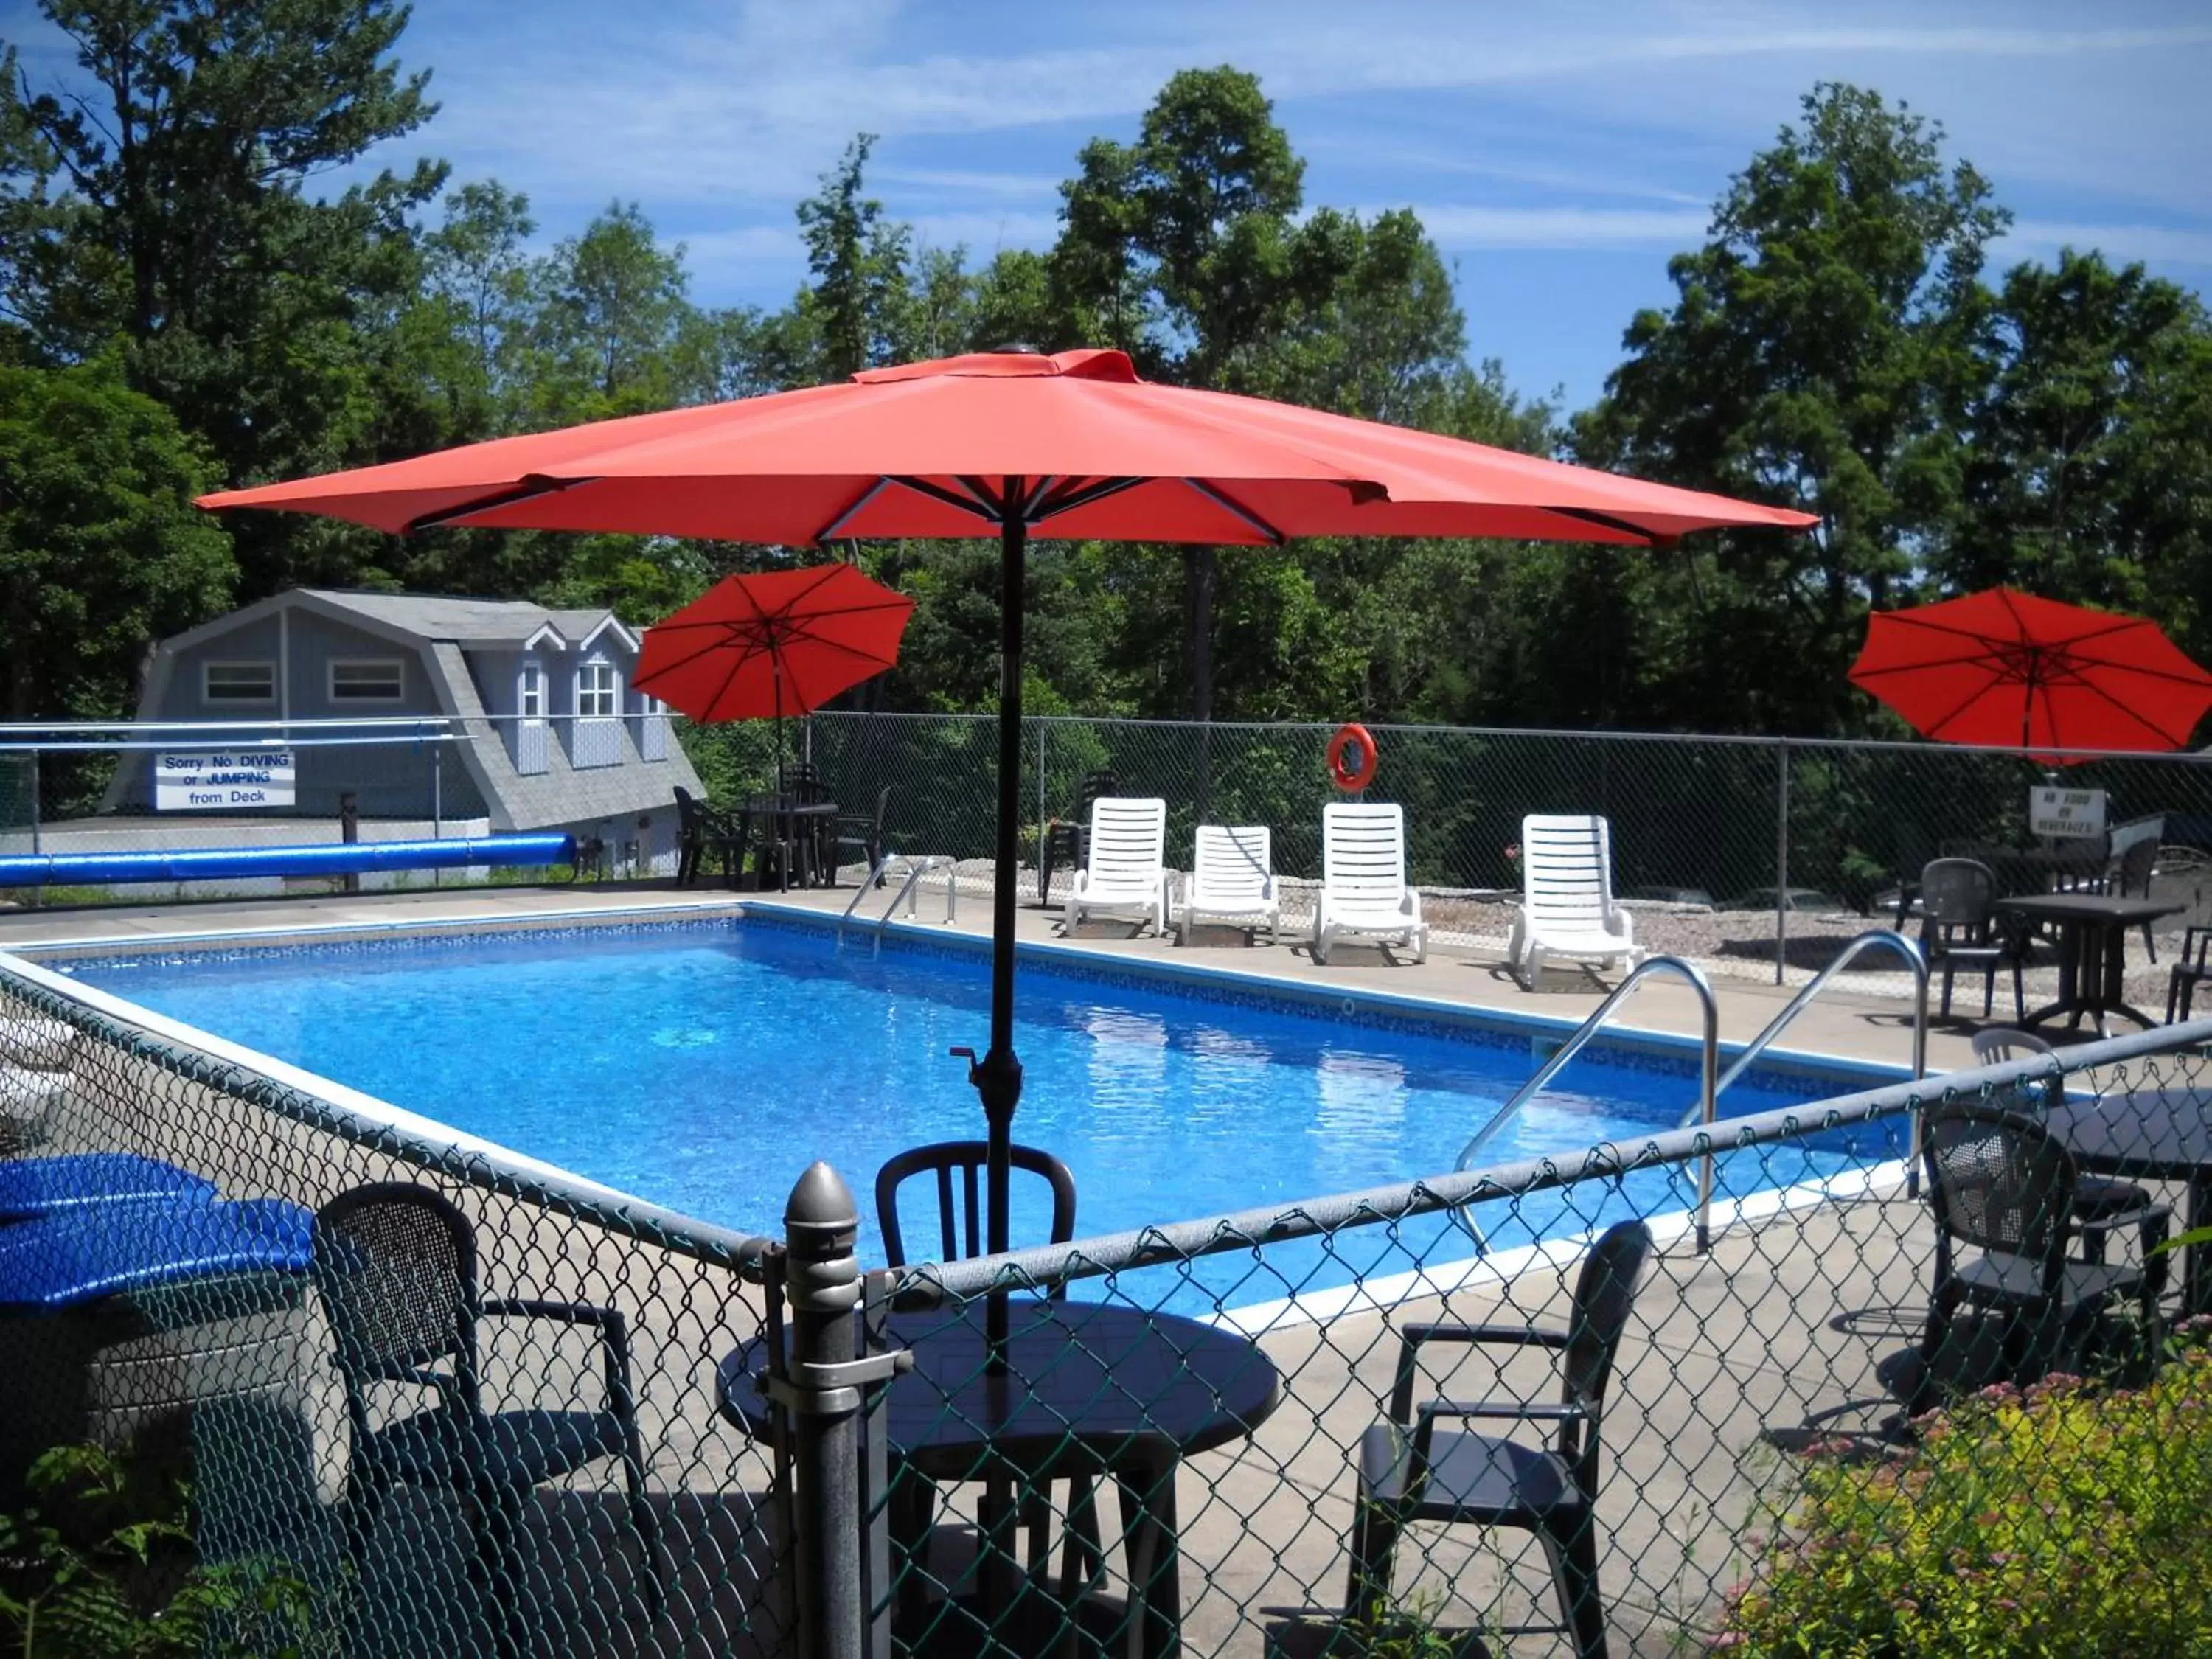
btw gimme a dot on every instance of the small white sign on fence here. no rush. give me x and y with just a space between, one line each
227 780
2065 813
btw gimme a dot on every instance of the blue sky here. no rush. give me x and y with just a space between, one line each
1558 152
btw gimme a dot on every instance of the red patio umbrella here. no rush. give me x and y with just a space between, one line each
2006 668
1013 445
776 642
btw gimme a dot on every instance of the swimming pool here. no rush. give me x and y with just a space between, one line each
702 1065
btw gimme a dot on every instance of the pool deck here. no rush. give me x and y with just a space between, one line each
1842 1023
1723 1344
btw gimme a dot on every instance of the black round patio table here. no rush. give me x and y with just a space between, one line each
1088 1388
2152 1134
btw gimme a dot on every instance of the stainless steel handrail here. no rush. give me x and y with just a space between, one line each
1797 1004
1708 1072
916 869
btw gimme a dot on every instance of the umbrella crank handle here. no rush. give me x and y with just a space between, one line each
975 1071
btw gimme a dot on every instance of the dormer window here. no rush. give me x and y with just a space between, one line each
597 690
597 738
530 717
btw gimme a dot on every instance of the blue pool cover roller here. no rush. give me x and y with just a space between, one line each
337 858
33 1187
71 1258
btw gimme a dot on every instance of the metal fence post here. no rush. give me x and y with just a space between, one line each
1781 858
822 1398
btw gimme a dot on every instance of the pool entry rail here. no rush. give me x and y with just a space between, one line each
1886 940
1708 1091
908 892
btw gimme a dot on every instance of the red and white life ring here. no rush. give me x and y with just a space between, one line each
1352 744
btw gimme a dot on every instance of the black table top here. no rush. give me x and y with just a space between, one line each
784 806
2090 907
1103 1378
2155 1134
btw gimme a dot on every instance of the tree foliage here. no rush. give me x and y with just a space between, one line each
168 247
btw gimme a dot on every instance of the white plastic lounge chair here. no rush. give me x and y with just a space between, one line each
1362 881
1127 875
1567 893
1232 880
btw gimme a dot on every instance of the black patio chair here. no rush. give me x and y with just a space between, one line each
702 833
1960 929
1411 1470
1915 851
863 832
2096 1198
2001 1187
958 1167
1064 840
396 1269
2194 968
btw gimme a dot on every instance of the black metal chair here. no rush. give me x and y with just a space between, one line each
1915 851
1410 1470
2194 968
863 832
2001 1187
1960 928
702 833
396 1269
958 1167
2096 1198
1063 839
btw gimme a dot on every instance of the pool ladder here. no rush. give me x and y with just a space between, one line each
1712 1084
909 891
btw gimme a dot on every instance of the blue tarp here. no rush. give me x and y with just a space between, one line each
347 858
65 1261
32 1187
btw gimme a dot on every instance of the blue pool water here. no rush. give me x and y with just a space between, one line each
702 1067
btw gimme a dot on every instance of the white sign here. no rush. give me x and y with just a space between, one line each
2063 813
230 780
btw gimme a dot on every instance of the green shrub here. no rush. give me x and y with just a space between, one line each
100 1564
2066 1522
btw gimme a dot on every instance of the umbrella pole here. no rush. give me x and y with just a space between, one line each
998 1079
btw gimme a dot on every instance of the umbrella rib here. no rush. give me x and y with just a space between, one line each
527 489
1222 499
753 646
985 510
853 511
646 681
1067 499
1608 521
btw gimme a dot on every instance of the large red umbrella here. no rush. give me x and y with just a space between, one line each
775 643
2006 668
1012 445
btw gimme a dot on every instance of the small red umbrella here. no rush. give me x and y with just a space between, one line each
779 642
2006 668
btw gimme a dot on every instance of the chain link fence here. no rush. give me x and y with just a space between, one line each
462 1419
426 1395
1757 856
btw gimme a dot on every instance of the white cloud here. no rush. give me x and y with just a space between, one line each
2121 244
1458 226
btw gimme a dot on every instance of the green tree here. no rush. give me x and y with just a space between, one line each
2091 453
860 302
100 547
610 307
162 199
1822 351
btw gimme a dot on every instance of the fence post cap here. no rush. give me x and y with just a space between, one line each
821 1199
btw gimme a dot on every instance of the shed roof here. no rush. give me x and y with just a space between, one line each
465 621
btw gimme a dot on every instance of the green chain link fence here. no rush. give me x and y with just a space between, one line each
431 1397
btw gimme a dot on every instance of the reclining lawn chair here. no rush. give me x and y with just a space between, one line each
1567 908
1125 869
1363 891
1232 880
